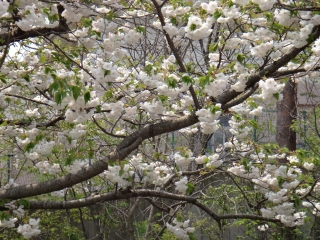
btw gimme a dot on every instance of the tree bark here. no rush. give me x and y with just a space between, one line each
286 114
285 136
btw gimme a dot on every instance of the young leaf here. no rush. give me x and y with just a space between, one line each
76 91
24 203
87 97
213 47
217 14
148 69
58 97
141 29
29 146
204 81
106 72
4 215
190 188
187 79
193 27
27 78
172 82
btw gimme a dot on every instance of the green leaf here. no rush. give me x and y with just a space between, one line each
310 38
111 15
106 72
39 137
276 95
214 109
3 78
268 16
202 12
172 82
99 108
24 203
278 28
245 162
141 29
213 47
156 155
187 79
87 97
217 14
121 172
148 69
86 22
4 215
29 146
204 81
191 236
253 123
58 97
230 4
48 70
76 91
297 200
69 160
190 66
27 78
280 180
109 94
179 217
90 154
173 20
241 58
53 87
163 98
190 188
193 27
43 58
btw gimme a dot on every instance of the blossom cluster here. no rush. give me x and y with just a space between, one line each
180 229
208 120
30 230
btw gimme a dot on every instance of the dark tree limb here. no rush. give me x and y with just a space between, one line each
18 35
68 180
111 196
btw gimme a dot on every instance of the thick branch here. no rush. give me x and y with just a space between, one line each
68 180
159 128
240 99
19 34
268 71
140 193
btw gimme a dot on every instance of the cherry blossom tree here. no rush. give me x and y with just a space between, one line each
103 101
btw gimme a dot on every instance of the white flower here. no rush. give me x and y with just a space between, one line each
181 185
4 4
31 229
308 166
293 159
263 227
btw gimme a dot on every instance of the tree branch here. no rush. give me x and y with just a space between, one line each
68 180
268 71
111 196
175 52
19 34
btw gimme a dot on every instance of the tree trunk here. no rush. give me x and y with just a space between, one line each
286 114
285 136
